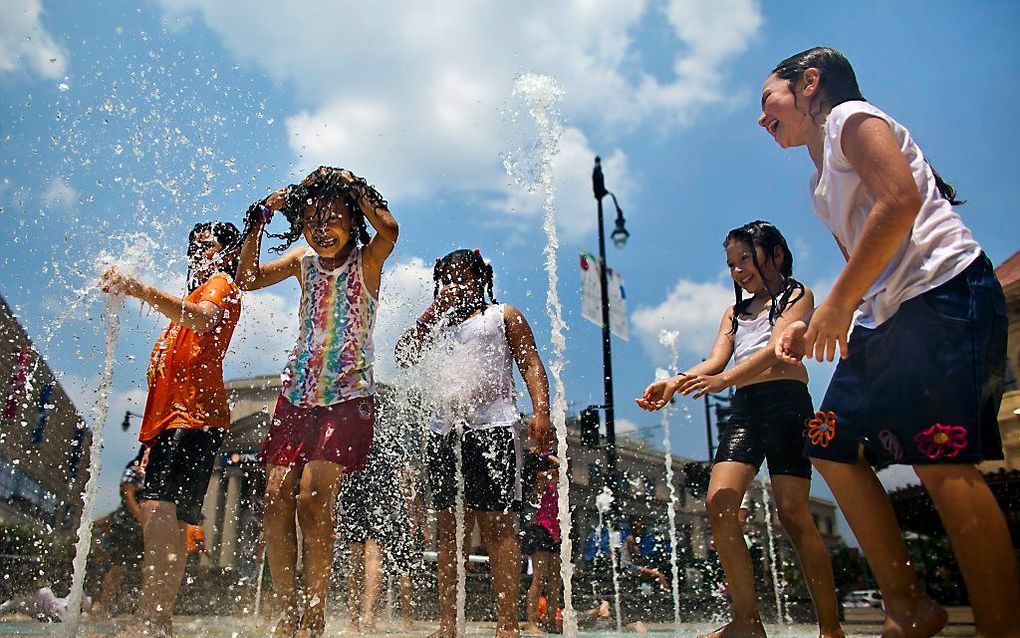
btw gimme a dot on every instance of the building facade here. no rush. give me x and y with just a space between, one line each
1008 273
43 439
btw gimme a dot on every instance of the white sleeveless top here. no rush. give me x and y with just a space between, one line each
480 365
752 335
939 246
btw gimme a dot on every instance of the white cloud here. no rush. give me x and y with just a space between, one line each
692 308
264 335
415 97
59 194
25 45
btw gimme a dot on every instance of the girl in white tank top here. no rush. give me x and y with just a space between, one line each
769 411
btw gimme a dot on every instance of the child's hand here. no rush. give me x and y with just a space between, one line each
115 282
659 393
540 431
790 347
829 327
703 384
277 200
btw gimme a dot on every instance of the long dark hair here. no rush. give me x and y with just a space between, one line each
464 258
324 184
229 238
839 84
765 235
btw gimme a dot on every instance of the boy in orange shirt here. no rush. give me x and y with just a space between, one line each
186 412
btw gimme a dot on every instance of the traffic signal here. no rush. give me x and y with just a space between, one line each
590 423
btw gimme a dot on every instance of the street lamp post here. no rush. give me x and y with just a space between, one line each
619 237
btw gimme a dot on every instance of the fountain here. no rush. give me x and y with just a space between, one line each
668 338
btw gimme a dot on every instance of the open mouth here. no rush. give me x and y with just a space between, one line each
746 281
773 127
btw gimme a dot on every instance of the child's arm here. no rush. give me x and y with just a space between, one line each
376 211
253 276
417 339
874 153
200 317
522 343
659 393
757 363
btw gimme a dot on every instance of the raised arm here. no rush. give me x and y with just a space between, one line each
377 213
521 340
200 317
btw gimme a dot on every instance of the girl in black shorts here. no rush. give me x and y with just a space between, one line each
770 408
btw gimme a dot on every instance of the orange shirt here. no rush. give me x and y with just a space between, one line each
186 368
195 537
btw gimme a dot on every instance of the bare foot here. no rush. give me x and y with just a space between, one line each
408 625
313 623
926 619
738 629
508 632
531 629
287 626
368 627
834 632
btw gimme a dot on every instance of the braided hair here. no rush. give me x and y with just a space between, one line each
322 185
464 258
763 234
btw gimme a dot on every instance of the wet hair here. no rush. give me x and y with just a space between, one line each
464 258
839 84
325 184
229 238
765 235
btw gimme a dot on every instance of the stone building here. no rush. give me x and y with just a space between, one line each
43 440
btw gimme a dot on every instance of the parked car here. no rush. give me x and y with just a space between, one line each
864 598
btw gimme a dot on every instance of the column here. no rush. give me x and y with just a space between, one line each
228 543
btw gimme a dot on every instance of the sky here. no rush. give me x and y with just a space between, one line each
122 124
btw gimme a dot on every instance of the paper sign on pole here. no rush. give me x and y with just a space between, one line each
591 297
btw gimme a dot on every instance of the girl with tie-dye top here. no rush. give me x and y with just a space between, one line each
322 425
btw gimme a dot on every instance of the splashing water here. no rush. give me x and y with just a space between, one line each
773 567
604 503
458 511
669 338
99 411
544 96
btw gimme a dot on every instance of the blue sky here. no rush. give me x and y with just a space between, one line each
119 118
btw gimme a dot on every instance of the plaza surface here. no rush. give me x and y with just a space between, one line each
859 622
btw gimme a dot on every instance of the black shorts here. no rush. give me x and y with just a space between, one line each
180 464
767 423
491 466
538 539
925 386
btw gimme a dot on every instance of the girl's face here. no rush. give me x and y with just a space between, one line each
742 270
206 255
783 117
327 227
464 285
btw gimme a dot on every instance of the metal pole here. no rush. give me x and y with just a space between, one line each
599 187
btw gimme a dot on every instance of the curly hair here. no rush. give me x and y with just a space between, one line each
765 235
322 185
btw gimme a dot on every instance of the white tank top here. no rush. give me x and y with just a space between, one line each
752 335
479 364
939 246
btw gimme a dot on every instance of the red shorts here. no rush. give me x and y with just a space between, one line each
340 433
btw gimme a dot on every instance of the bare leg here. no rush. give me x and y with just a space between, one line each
726 489
315 502
500 537
553 586
447 574
281 544
165 554
111 586
910 612
354 581
372 583
791 495
405 602
540 567
981 544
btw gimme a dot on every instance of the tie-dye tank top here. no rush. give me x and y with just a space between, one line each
332 360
